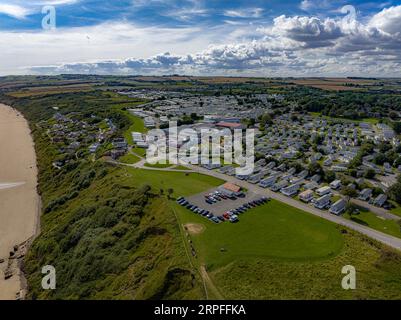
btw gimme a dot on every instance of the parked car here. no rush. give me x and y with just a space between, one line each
234 219
215 220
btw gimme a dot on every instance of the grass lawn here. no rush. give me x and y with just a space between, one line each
129 158
136 126
183 184
158 165
179 167
396 210
139 151
369 219
275 230
279 252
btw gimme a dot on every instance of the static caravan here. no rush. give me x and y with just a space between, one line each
338 207
268 182
306 196
323 191
280 185
323 202
290 191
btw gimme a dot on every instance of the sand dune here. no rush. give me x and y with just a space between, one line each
19 202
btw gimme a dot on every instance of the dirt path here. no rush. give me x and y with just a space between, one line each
210 283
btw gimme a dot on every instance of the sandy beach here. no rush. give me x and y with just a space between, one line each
19 202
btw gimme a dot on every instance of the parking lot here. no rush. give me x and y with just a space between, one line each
220 207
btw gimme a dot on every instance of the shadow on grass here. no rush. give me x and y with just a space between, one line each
360 221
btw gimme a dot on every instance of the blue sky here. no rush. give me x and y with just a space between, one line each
174 13
253 37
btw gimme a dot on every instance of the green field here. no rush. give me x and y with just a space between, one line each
371 220
279 252
272 231
158 165
182 183
367 120
136 126
129 158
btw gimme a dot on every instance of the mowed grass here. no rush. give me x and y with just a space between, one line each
279 252
274 230
182 183
129 158
371 220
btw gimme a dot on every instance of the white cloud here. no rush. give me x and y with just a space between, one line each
244 13
14 11
296 46
388 20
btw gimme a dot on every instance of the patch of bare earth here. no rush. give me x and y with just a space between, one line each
194 228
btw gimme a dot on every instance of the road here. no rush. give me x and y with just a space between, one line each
388 240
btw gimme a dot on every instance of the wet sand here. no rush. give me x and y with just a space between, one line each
19 202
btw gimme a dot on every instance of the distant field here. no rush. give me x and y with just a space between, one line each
367 120
334 84
51 90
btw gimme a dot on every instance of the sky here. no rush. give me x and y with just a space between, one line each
268 38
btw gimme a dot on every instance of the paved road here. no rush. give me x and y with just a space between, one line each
391 241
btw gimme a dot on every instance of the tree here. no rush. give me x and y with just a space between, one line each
393 115
397 127
329 176
349 192
370 174
315 168
395 191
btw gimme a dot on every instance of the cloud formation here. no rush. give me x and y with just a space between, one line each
291 45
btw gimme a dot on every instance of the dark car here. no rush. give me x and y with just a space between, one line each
209 216
221 218
215 220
